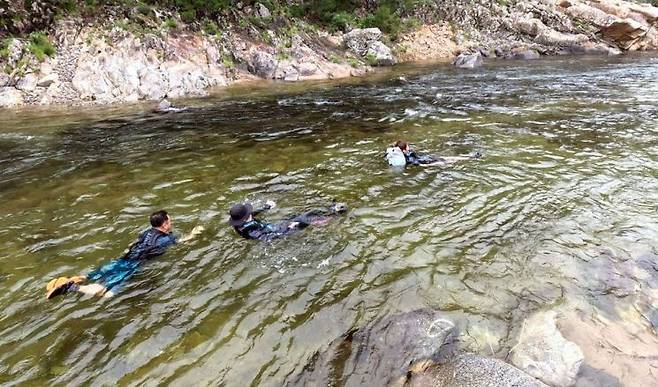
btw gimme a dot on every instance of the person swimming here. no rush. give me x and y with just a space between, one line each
151 243
241 218
401 154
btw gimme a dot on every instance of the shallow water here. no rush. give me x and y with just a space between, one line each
566 191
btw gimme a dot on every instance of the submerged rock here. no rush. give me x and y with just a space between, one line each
382 351
544 353
468 61
467 370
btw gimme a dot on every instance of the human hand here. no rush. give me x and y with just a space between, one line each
271 203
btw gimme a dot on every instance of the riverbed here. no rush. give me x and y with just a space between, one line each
561 211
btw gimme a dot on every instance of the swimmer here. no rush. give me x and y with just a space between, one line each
104 280
243 222
401 154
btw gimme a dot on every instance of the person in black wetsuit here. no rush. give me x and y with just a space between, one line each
413 158
104 281
243 222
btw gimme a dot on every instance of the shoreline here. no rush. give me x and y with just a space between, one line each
98 64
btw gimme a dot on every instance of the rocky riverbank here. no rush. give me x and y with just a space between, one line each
112 63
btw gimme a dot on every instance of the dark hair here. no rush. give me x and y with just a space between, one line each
158 218
401 144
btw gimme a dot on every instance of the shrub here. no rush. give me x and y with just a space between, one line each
40 46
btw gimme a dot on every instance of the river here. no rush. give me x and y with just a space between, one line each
560 211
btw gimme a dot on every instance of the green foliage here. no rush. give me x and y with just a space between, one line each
228 62
353 62
384 19
40 46
4 47
371 59
171 23
211 28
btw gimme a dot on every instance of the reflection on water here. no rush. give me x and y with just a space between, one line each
560 210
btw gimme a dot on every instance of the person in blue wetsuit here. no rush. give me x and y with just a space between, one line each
243 221
106 279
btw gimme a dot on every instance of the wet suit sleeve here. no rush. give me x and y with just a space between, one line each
260 210
412 158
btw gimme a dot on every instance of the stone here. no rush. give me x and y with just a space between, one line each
590 14
649 12
544 353
47 80
307 69
527 54
10 97
550 37
262 64
28 83
382 351
590 48
262 11
153 84
624 32
468 61
359 39
380 54
4 79
529 26
467 370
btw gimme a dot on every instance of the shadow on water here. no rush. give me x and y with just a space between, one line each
567 187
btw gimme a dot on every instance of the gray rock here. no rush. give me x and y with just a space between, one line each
359 39
468 61
4 79
526 55
28 83
262 11
47 80
262 64
544 353
382 351
381 54
10 97
468 370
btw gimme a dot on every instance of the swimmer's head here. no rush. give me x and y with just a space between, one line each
240 214
161 220
403 145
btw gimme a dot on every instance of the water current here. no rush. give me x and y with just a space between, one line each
561 210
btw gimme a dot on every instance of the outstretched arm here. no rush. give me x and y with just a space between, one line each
193 234
268 206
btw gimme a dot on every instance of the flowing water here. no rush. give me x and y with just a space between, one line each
562 209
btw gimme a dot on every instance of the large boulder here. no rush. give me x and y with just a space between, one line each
467 370
10 97
544 353
550 37
365 43
360 39
382 351
590 14
28 83
468 61
525 54
649 12
262 64
380 54
624 32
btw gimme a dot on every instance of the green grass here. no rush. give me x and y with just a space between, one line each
40 46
